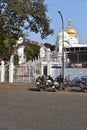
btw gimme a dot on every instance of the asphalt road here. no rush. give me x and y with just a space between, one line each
25 108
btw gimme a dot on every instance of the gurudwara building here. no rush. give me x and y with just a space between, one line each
75 54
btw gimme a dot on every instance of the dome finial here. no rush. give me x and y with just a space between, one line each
69 29
69 20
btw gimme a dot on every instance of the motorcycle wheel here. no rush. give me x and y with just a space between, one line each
54 88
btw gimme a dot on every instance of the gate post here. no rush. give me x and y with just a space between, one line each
11 70
2 71
48 54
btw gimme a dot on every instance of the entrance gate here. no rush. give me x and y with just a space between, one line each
19 73
23 74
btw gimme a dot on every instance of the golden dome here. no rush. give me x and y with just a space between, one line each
69 29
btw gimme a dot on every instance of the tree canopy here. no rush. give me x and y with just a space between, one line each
16 16
32 50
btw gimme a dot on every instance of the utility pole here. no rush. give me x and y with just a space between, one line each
62 59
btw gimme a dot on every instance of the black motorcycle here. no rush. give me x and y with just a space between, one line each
40 84
58 82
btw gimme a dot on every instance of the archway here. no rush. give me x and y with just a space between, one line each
23 44
11 66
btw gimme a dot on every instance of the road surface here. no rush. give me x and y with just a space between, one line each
25 108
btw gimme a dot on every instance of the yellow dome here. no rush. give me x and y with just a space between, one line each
69 29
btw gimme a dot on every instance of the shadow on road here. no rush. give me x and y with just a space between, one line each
33 89
75 90
70 89
44 90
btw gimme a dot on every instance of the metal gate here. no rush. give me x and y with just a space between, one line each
23 74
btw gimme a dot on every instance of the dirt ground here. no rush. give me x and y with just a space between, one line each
33 86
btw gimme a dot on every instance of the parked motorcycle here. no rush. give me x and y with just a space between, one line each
58 82
83 83
41 82
45 82
38 82
50 83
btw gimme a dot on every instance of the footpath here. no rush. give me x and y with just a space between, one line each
16 85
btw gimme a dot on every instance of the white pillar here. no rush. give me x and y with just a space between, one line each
48 61
48 68
11 71
42 68
2 71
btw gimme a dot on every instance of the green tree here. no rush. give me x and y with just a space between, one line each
35 49
48 45
16 59
16 16
31 51
6 47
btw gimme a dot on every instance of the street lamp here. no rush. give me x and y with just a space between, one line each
62 59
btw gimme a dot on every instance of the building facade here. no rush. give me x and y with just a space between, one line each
50 63
75 54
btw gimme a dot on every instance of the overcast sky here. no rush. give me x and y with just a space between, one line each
76 10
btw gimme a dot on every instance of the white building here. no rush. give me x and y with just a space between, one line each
75 54
49 63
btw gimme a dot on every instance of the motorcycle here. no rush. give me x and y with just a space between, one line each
83 83
45 84
50 83
58 82
40 84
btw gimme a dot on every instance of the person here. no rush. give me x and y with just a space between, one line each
50 78
43 78
43 81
